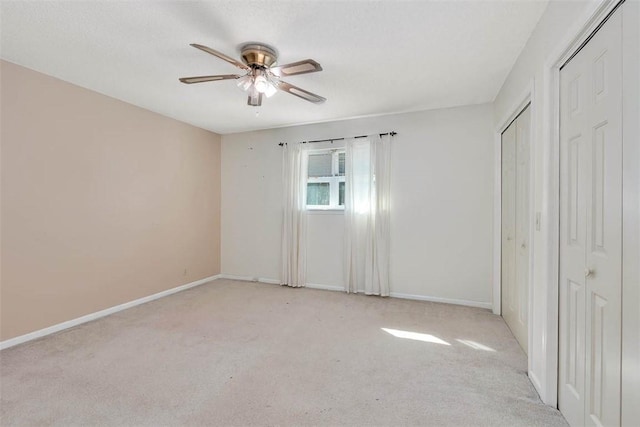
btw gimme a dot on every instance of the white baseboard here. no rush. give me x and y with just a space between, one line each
277 282
249 279
535 381
98 314
325 287
477 304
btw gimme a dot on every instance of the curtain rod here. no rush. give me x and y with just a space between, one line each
392 133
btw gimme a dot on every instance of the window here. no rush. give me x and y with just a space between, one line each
325 179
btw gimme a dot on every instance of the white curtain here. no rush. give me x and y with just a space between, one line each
367 214
294 224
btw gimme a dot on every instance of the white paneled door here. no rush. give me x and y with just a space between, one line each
591 230
515 226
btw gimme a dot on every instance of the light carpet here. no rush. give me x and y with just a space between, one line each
238 353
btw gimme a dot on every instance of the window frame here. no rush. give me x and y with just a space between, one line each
334 180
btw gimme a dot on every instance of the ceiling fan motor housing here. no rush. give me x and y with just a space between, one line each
258 55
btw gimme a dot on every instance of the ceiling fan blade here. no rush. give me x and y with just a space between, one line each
300 67
222 56
202 79
304 94
255 99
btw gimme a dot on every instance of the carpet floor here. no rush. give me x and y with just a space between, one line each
237 353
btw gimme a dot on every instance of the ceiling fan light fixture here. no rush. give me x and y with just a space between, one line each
245 82
253 92
270 90
261 83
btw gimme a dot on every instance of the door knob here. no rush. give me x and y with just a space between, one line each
588 272
523 246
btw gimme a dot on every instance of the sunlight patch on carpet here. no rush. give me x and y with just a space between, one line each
416 336
475 345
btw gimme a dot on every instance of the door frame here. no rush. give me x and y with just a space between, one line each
524 100
548 311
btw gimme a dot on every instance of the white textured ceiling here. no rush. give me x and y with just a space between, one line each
378 56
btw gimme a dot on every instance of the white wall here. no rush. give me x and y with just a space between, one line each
442 201
560 22
557 22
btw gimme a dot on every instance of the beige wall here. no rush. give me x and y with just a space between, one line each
102 202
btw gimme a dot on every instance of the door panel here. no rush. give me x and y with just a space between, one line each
508 276
523 130
515 226
591 230
573 232
604 226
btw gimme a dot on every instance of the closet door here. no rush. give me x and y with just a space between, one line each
523 132
515 226
591 230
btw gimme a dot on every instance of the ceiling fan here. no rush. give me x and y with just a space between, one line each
261 77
